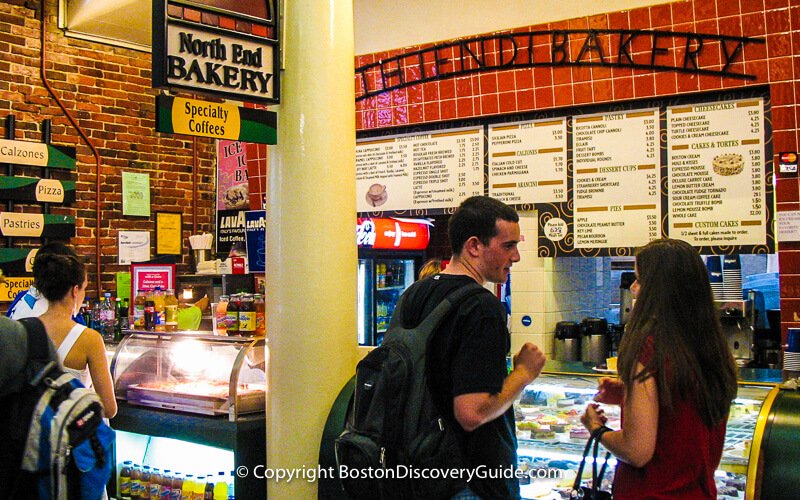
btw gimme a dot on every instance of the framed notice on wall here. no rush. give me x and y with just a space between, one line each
150 276
169 237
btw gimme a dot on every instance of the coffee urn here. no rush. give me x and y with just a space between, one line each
594 341
568 341
625 296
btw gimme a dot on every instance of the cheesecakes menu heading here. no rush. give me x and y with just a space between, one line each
620 179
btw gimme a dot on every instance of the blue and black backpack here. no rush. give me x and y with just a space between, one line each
57 444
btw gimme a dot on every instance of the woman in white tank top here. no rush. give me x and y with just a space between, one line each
61 279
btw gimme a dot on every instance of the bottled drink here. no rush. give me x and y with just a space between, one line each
221 315
138 310
261 315
247 316
108 316
144 491
221 487
177 487
97 323
187 488
125 480
158 301
136 482
232 316
122 317
165 491
155 484
117 319
208 493
149 314
86 313
199 489
170 311
389 279
231 493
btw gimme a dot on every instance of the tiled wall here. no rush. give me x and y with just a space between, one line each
521 90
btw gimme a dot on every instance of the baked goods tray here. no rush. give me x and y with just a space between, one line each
253 401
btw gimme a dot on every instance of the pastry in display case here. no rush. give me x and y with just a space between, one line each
551 437
207 375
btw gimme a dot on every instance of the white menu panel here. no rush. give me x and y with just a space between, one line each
419 171
527 161
616 179
716 173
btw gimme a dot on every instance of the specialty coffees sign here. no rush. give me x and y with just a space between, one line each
177 115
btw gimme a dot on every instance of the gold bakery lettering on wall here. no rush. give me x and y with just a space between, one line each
684 52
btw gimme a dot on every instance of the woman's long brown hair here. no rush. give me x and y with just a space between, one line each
675 307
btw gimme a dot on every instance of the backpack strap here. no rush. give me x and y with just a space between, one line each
40 358
427 327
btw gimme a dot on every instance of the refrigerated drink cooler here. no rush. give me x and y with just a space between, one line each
381 281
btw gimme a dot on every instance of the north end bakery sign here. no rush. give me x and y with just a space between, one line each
683 52
222 48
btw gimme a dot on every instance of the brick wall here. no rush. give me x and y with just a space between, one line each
108 91
777 63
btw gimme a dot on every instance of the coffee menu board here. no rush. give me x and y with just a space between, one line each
603 180
716 161
433 170
615 179
527 161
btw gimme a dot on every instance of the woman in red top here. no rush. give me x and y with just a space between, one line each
677 381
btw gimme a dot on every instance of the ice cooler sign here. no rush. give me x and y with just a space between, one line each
392 234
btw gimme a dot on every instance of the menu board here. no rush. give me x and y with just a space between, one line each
419 171
527 161
716 173
616 179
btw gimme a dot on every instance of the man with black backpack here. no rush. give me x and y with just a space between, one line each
431 415
468 374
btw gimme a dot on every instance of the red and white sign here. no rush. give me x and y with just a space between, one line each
393 234
150 276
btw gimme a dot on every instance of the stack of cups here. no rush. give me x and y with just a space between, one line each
732 277
791 357
714 266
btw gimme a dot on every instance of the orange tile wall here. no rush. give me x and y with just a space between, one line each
777 63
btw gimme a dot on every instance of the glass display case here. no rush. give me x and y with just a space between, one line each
207 375
551 438
192 404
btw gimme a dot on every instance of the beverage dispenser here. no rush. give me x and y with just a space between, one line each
736 317
625 296
567 341
594 340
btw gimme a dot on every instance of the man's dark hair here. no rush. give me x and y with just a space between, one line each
477 216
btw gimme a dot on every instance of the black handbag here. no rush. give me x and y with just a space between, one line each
594 492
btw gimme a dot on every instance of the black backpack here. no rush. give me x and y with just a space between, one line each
395 436
56 444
